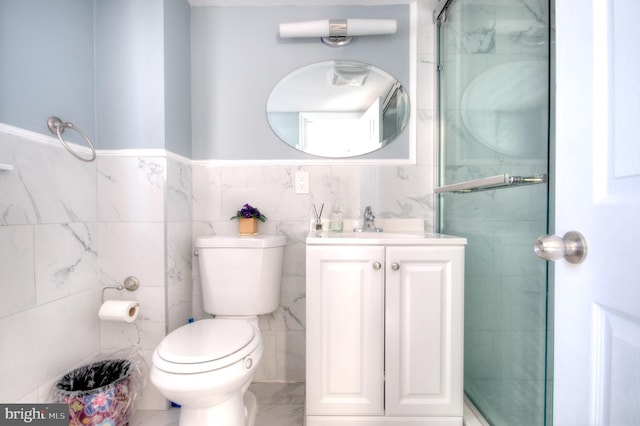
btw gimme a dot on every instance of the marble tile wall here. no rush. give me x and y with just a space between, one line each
179 244
143 225
132 242
69 228
144 206
49 265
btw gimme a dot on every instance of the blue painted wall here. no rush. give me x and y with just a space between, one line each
177 72
47 63
121 70
130 74
142 74
115 68
238 58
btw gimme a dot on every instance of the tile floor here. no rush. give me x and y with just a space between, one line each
279 404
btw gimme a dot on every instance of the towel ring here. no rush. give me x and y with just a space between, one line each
57 126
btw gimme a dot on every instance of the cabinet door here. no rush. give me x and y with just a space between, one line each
345 330
424 321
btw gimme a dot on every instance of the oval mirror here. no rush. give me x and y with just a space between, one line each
338 108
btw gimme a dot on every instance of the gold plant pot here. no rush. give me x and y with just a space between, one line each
248 226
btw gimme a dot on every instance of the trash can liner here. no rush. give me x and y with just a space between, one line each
86 379
105 391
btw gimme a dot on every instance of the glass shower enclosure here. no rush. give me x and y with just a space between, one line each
493 115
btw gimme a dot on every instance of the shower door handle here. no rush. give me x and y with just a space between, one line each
572 246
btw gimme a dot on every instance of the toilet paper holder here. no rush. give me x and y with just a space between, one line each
130 283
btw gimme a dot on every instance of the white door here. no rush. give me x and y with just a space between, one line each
597 193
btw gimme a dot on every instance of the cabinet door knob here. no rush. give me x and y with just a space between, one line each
395 266
377 265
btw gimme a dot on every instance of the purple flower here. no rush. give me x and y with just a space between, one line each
247 211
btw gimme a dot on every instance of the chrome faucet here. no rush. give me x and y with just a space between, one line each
368 222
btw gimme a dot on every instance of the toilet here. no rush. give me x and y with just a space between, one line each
206 366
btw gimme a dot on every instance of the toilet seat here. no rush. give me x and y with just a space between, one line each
205 345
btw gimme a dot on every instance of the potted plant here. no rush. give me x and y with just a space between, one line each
248 218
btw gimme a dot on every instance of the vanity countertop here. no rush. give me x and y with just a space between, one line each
394 232
382 238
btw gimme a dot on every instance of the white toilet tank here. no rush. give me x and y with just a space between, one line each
240 275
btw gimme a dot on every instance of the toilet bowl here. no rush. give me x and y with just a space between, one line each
206 367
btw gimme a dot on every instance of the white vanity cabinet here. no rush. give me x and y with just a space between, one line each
384 332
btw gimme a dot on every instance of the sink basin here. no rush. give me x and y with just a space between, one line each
377 235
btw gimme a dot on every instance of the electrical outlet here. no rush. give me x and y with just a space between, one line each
301 182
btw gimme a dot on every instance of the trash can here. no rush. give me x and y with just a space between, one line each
98 393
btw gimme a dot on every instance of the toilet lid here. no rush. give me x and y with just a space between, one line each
206 340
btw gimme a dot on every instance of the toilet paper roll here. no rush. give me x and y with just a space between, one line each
119 310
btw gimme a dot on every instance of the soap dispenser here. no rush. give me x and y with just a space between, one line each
335 221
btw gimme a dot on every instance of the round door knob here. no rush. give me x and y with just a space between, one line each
572 246
377 265
395 266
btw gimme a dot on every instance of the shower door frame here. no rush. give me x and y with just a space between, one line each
439 16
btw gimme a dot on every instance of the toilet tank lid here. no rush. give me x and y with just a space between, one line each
250 241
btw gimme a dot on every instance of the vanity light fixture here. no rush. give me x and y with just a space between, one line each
338 32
